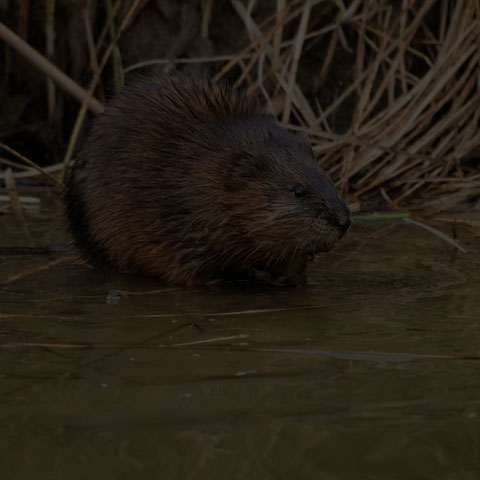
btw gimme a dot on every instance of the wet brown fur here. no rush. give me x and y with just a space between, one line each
191 181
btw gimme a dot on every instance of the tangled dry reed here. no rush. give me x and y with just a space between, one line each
388 91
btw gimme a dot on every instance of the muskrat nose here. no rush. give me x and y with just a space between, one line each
342 221
344 224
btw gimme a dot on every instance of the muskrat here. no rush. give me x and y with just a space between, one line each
189 180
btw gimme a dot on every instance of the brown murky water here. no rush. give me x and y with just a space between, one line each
370 372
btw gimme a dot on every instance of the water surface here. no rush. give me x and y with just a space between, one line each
370 372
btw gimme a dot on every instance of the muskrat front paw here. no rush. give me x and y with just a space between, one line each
272 278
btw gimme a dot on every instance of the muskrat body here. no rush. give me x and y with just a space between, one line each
189 180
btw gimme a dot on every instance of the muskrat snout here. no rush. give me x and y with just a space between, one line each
339 216
343 221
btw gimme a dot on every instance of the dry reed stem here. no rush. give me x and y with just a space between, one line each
50 51
17 206
30 173
47 67
266 38
31 164
207 6
92 52
13 164
186 60
83 109
277 38
106 26
297 50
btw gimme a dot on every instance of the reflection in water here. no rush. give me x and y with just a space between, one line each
370 371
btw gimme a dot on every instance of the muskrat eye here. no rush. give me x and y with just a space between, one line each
299 192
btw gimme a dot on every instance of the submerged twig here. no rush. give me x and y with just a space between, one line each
41 268
437 233
240 312
209 340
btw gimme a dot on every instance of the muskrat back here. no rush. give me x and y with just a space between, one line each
189 180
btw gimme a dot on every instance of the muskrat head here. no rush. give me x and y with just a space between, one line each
281 204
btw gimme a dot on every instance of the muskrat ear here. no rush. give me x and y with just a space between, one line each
304 140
